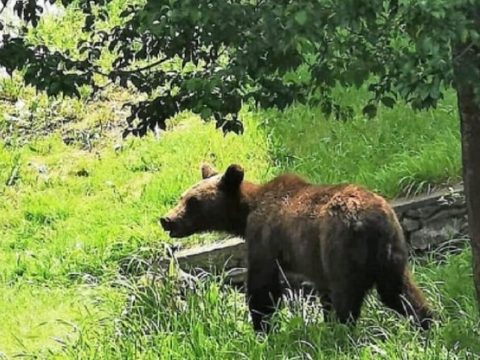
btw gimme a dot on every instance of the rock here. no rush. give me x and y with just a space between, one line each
435 233
447 213
428 202
453 198
226 254
422 212
410 225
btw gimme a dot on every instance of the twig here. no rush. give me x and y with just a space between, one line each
103 87
464 51
99 72
159 62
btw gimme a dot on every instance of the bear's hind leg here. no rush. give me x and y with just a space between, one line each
263 291
398 291
327 307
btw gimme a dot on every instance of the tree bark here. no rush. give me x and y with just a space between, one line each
469 111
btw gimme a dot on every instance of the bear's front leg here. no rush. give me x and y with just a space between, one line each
263 290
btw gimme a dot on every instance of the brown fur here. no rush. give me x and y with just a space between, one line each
343 238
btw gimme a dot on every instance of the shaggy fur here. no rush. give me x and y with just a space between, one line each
343 238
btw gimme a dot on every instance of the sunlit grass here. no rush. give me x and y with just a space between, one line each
41 320
211 321
401 152
74 211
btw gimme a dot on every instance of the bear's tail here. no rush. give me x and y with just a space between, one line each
393 279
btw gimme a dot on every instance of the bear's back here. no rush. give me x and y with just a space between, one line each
290 196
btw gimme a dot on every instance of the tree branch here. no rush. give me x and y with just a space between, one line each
123 72
156 63
99 72
464 51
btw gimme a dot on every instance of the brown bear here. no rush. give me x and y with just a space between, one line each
343 238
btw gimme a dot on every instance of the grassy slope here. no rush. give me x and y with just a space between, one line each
400 152
75 212
72 215
61 229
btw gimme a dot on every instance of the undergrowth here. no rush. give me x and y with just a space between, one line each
169 319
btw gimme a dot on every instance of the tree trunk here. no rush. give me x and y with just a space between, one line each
469 110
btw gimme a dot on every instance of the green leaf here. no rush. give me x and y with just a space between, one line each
301 17
206 113
370 111
388 101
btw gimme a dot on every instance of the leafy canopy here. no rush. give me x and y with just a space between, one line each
211 56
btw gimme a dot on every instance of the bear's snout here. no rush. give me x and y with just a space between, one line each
174 226
166 223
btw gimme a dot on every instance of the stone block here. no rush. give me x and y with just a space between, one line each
436 233
227 254
410 225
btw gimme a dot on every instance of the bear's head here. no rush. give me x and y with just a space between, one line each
207 205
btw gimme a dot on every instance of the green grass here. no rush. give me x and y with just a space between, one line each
73 211
41 320
79 219
400 152
74 215
211 322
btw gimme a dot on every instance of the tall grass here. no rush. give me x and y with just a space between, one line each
166 320
399 153
41 320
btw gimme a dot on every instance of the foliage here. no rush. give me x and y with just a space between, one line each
210 57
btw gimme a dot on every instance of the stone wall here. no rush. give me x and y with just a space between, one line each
431 220
428 221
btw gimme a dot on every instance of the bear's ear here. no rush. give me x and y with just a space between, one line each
208 171
233 177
